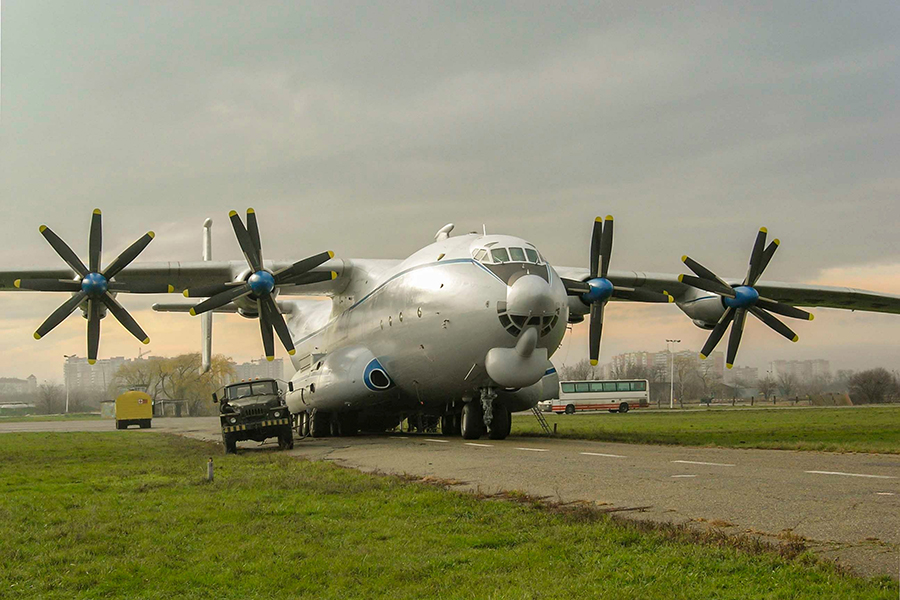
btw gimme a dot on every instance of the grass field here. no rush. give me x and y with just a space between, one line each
36 418
106 515
862 429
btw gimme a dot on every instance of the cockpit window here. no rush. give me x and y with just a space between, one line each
532 255
517 254
500 255
480 254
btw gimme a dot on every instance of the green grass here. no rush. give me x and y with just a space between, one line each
107 515
63 417
865 429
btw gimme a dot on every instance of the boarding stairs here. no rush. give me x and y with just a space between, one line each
541 420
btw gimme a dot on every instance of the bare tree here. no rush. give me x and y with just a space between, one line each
580 371
51 399
766 386
787 383
874 386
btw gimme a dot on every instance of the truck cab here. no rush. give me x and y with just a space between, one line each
253 410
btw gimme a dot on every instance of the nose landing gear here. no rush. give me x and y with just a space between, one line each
483 416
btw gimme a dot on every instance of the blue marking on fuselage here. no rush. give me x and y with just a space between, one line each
550 371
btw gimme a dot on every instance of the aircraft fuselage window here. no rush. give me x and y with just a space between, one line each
500 255
532 255
517 254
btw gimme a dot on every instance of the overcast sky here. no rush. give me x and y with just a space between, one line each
363 129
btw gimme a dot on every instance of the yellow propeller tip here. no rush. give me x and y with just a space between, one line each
777 242
334 274
593 363
42 228
292 351
37 336
17 283
684 258
330 254
92 361
96 211
796 338
193 312
598 220
671 298
232 213
250 211
186 293
145 341
270 358
170 288
151 234
811 316
763 230
680 278
609 217
729 365
703 356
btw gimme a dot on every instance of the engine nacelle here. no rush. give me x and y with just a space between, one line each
527 398
704 308
347 379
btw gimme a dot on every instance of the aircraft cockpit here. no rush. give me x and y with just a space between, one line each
498 255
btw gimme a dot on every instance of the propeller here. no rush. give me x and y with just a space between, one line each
261 285
92 286
742 299
596 291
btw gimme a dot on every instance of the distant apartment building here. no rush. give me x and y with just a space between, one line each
95 379
746 375
12 386
259 369
803 370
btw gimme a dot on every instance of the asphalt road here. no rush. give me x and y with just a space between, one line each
847 506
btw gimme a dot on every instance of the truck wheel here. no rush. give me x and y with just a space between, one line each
472 423
623 408
230 444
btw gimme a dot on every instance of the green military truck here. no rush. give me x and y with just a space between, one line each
254 410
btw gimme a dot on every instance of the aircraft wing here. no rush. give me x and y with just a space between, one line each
796 294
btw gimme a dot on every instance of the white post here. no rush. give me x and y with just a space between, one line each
66 378
671 371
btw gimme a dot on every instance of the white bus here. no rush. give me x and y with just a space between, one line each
614 396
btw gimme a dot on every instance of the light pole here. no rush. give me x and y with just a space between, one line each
671 372
66 378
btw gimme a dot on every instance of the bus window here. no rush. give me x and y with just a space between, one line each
500 255
582 387
568 387
596 387
532 255
517 254
623 386
638 386
609 386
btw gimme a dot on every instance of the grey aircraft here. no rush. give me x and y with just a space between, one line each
462 330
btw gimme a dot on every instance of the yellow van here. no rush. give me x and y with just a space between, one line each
133 408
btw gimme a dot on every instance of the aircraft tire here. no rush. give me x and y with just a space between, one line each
320 424
447 425
472 421
347 424
457 424
502 423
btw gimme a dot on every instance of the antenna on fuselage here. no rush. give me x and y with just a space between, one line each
484 229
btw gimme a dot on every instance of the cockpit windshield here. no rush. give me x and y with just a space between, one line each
513 254
256 388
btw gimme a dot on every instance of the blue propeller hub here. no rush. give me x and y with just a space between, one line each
262 283
601 290
94 284
744 297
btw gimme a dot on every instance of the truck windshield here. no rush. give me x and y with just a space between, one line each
256 388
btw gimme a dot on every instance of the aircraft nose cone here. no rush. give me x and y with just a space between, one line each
532 295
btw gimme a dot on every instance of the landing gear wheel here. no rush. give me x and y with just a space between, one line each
304 424
346 424
623 408
472 421
570 409
447 425
230 444
320 424
501 424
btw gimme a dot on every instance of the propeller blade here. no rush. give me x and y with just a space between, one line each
207 291
48 285
253 232
128 255
265 328
718 331
140 287
734 340
784 309
596 237
302 266
245 242
606 245
774 323
95 245
756 256
93 330
637 295
596 330
123 317
575 287
764 261
274 316
64 251
59 315
222 299
701 271
707 284
308 278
